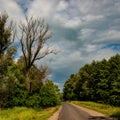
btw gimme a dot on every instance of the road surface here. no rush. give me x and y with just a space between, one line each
72 112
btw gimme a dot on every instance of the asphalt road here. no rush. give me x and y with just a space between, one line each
70 112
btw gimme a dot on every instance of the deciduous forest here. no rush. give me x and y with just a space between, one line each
98 81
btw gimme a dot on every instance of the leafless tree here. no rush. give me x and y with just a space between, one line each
35 34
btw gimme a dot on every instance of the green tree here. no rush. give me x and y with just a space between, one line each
69 88
49 94
114 78
98 81
7 78
7 33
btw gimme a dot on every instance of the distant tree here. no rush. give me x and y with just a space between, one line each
35 34
69 88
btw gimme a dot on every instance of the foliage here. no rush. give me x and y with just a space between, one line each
7 79
6 33
49 94
33 101
18 98
69 88
98 81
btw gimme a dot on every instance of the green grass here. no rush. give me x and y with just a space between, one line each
23 113
102 108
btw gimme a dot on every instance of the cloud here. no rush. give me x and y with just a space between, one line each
62 5
90 48
112 34
67 22
83 30
101 54
67 60
12 8
89 17
42 8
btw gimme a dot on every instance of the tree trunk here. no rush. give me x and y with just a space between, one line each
27 81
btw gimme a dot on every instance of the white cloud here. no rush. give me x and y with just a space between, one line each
90 48
62 5
99 55
67 59
67 22
113 34
12 8
91 17
85 6
86 32
42 8
109 35
73 23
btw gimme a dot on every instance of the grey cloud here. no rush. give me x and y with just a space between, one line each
81 28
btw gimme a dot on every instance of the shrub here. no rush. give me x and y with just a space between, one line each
33 101
49 95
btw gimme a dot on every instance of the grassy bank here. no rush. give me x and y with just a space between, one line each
23 113
103 108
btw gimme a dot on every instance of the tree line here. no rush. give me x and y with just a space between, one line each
22 83
98 81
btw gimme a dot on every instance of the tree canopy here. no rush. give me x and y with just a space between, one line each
98 81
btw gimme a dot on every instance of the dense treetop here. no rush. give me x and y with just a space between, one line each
98 81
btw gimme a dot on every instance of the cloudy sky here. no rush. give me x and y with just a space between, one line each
83 30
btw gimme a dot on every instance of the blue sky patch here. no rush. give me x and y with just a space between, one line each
113 46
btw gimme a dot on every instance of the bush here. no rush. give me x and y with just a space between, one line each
18 98
114 100
33 101
49 95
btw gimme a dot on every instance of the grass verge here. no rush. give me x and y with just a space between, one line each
23 113
102 108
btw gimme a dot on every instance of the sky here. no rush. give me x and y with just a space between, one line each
82 31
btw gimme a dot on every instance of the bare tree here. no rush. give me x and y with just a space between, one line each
35 34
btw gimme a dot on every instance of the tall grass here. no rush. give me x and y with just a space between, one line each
23 113
103 108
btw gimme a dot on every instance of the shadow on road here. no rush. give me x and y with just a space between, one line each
100 118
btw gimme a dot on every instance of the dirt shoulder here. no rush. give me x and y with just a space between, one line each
95 114
55 116
89 111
